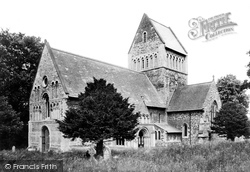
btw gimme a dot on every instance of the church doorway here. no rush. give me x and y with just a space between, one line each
143 138
45 139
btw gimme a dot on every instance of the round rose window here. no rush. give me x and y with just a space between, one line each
45 81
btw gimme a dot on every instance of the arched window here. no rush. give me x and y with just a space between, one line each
214 108
171 62
35 90
176 63
138 64
144 36
47 107
185 130
52 89
56 86
181 65
38 93
146 62
151 61
156 61
156 135
134 64
142 65
159 135
167 60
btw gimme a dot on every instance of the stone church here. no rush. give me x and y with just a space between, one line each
155 81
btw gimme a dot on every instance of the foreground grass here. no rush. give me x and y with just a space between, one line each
219 157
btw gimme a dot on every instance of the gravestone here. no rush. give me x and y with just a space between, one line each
13 148
92 152
106 152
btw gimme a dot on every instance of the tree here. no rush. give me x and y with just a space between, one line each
231 121
102 113
246 83
19 58
10 125
232 90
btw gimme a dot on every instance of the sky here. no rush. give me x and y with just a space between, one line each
104 30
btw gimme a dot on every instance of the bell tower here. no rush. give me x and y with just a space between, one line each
157 52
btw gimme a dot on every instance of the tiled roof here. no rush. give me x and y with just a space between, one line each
76 71
168 37
189 97
168 128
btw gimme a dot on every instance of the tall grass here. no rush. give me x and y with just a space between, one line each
211 157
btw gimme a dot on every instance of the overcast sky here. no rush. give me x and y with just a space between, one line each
104 29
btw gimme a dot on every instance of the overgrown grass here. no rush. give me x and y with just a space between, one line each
219 157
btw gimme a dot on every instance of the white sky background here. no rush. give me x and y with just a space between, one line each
104 29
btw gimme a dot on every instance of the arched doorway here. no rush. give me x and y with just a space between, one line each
143 138
45 139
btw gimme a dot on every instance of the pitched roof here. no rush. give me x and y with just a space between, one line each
75 71
189 97
168 128
168 37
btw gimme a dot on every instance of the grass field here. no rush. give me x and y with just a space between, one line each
222 156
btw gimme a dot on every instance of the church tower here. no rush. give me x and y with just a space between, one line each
157 52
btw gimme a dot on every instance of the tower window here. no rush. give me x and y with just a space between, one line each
142 63
171 61
176 63
146 62
151 61
144 36
156 62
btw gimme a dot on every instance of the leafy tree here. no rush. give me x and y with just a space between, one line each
231 121
10 125
232 90
102 113
19 58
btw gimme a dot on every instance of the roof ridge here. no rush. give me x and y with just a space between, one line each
159 23
202 83
169 28
56 66
178 40
96 60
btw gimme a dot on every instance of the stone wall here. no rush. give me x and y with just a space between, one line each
153 41
192 119
157 115
166 81
212 96
35 135
38 110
